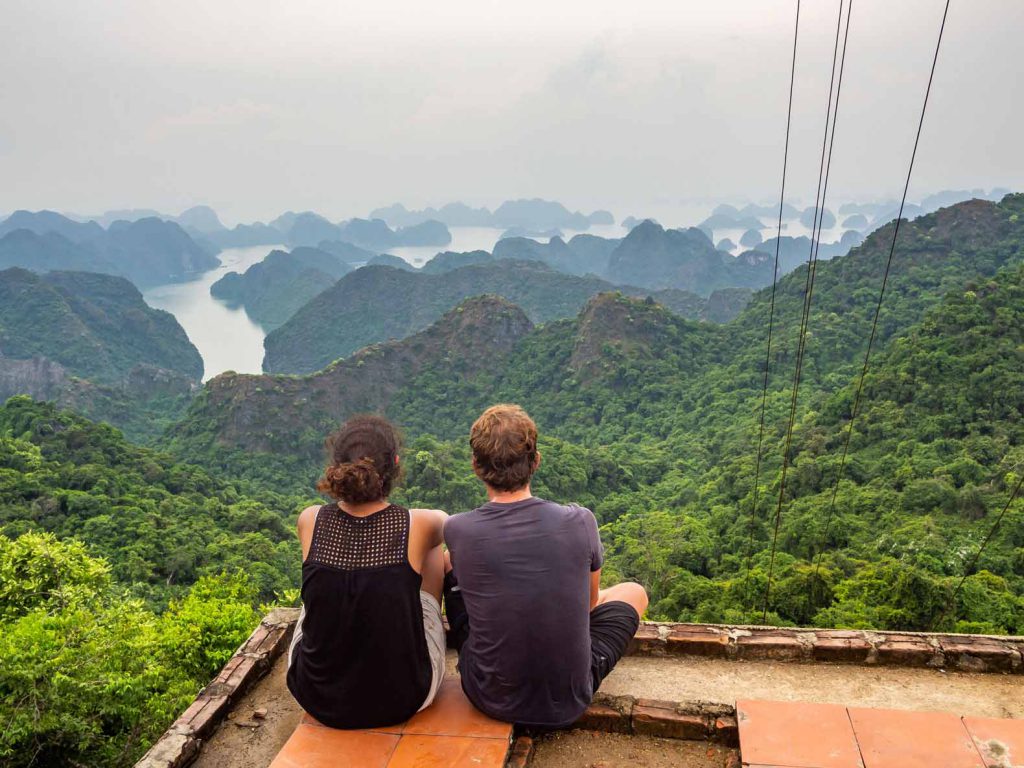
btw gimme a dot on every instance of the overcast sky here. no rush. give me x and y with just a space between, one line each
258 106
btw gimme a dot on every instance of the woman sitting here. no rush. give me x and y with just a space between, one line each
368 649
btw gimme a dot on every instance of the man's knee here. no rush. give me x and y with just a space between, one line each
636 596
627 592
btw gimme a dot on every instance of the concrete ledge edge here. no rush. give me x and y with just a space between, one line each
180 744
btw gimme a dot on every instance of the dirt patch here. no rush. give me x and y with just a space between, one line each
243 741
590 749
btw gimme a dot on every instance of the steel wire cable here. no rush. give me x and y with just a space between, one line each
835 88
878 308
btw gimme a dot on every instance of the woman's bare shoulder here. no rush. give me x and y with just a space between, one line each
307 518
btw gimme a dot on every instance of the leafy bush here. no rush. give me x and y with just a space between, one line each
89 676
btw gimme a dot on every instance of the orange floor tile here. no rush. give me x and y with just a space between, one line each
776 734
448 752
796 735
899 739
450 733
314 746
451 714
1000 742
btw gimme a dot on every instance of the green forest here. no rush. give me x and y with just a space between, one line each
128 574
127 580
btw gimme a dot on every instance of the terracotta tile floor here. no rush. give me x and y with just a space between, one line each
451 733
828 740
798 735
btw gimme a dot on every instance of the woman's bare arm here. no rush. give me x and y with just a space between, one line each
432 523
307 519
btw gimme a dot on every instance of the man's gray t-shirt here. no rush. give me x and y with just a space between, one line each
524 572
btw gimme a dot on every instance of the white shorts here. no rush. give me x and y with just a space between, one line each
433 629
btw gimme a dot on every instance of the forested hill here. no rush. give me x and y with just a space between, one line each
706 384
934 454
109 630
936 254
647 389
377 303
96 326
160 523
90 342
272 290
274 414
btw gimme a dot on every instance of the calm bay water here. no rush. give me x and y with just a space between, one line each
225 337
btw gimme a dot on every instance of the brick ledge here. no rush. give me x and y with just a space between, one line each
180 744
968 653
691 721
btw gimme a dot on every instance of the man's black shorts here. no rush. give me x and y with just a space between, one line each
612 627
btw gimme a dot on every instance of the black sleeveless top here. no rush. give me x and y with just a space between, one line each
362 660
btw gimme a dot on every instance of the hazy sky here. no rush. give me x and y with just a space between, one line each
257 106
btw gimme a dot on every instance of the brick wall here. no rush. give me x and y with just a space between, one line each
968 653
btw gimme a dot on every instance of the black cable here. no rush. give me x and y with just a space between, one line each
834 88
977 555
816 237
771 311
881 297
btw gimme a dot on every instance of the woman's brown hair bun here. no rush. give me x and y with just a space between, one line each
363 460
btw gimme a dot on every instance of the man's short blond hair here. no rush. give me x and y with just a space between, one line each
504 443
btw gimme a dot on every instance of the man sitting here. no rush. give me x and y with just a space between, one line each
536 635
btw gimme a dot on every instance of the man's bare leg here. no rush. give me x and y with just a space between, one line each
627 592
